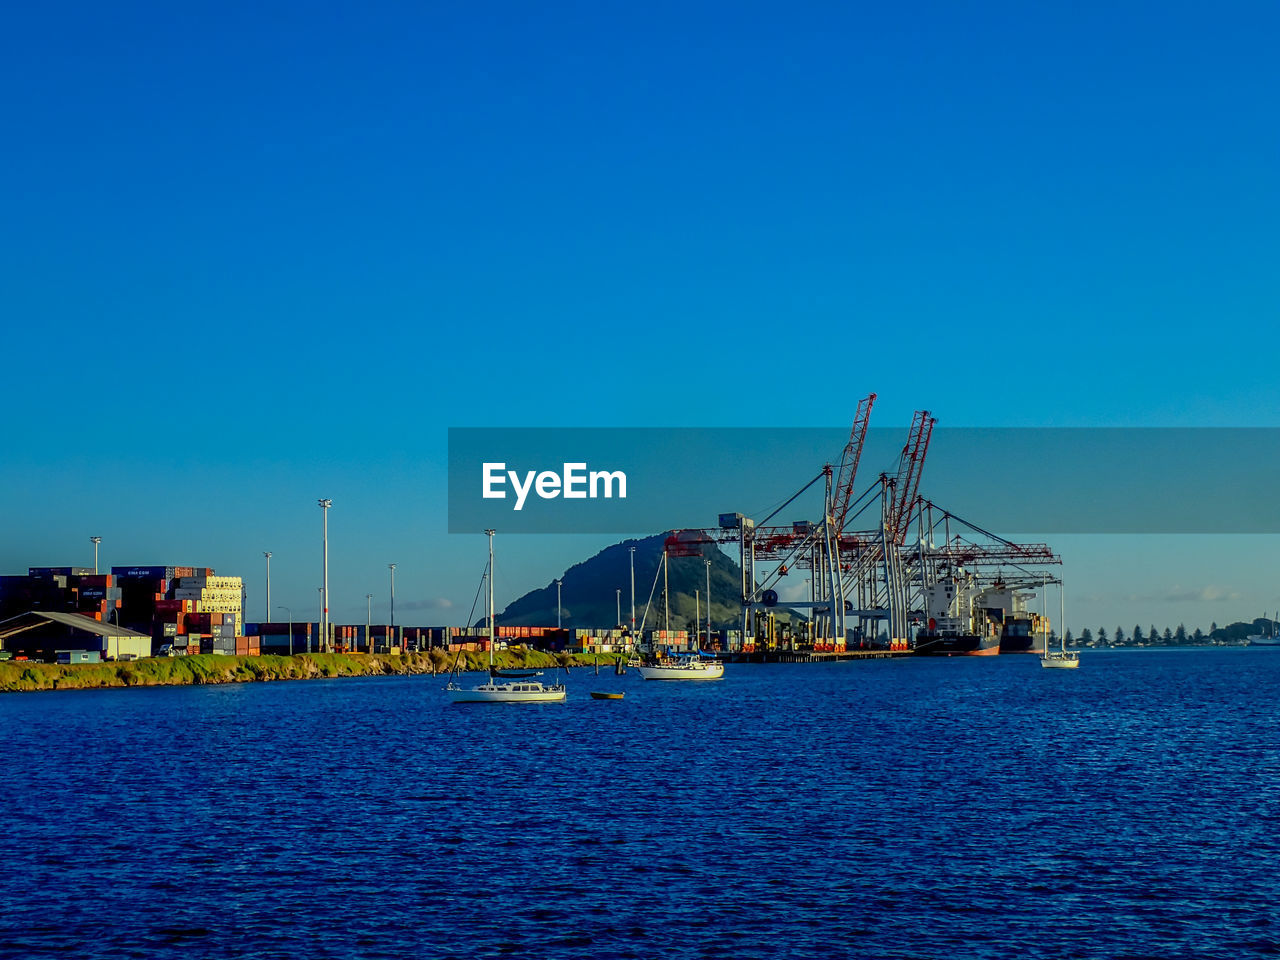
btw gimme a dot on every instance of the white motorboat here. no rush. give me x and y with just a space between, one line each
508 691
505 687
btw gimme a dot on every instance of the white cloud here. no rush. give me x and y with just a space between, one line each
439 603
1207 594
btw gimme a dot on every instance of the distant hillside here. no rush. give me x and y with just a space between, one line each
589 600
1237 632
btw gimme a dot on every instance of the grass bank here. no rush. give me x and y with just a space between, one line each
179 671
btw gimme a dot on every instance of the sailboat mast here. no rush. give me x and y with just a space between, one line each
1044 612
491 630
1062 611
666 594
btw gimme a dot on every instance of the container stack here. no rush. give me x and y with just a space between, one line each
212 594
274 638
64 589
172 602
347 637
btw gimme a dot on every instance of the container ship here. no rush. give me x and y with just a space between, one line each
957 626
1021 631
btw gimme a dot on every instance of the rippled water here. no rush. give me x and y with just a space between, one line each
979 807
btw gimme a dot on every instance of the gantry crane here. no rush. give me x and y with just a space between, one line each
870 576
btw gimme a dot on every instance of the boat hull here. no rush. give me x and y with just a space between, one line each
705 670
507 693
1060 662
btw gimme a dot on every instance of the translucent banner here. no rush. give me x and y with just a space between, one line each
1006 480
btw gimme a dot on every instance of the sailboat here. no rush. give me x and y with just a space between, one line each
505 687
689 666
1060 659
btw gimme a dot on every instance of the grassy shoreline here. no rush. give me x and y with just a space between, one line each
25 676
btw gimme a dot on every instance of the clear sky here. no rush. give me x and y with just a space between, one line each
256 254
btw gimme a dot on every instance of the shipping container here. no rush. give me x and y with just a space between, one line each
78 656
143 573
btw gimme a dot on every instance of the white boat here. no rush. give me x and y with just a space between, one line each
505 687
508 691
1063 660
681 668
1269 639
1060 659
655 665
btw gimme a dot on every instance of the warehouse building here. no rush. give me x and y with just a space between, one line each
55 636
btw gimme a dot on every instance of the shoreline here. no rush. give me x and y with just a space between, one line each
29 677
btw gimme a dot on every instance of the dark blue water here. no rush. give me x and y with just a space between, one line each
963 808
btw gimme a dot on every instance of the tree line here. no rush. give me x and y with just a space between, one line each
1169 636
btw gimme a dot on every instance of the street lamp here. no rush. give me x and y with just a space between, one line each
618 591
324 589
392 567
319 621
368 621
96 541
267 554
559 583
290 615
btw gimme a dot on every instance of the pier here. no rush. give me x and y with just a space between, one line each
809 656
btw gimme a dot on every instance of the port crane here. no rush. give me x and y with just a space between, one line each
862 568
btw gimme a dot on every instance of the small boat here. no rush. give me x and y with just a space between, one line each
681 668
687 666
1063 660
596 695
1060 659
505 687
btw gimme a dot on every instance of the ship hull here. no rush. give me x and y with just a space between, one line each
1017 645
961 645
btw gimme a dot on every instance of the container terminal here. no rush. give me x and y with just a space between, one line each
886 571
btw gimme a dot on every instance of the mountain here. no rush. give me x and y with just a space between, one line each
588 596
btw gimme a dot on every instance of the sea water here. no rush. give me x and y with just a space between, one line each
972 807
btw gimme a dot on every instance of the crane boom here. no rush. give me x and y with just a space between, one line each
910 468
849 462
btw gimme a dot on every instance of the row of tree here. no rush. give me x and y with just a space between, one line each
1233 633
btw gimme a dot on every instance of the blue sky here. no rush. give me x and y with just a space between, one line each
257 254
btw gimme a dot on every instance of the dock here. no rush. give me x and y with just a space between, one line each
808 656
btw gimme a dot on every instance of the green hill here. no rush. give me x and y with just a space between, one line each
589 600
